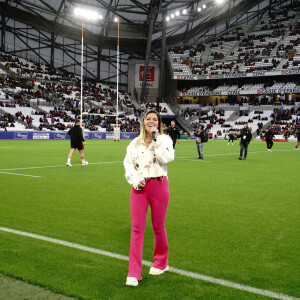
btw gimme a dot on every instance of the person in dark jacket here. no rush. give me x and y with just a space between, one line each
174 133
246 136
298 139
230 136
200 140
269 135
77 142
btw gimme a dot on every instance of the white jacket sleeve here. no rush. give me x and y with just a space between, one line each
131 173
163 149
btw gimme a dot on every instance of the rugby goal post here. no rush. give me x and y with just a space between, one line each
116 132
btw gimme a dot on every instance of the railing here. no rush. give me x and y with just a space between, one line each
185 125
174 106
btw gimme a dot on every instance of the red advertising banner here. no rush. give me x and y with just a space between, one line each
152 76
150 73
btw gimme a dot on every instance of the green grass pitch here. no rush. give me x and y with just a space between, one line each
229 219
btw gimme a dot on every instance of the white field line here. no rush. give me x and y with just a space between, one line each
235 153
58 166
199 160
121 161
19 174
148 263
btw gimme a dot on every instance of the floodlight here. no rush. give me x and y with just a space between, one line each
167 18
77 11
177 13
219 1
199 9
184 12
100 17
92 15
204 6
172 16
116 20
86 14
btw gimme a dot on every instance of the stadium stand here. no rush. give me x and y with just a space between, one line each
269 44
249 49
51 99
40 97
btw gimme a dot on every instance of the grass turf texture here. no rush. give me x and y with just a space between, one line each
229 219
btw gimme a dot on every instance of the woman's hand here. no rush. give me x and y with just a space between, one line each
141 184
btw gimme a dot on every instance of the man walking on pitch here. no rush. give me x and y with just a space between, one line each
269 135
173 132
77 142
246 137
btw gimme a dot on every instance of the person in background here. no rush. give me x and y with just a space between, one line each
298 139
269 135
246 136
165 129
230 136
145 166
200 139
77 142
174 133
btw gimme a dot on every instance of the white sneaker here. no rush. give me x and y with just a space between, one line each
85 163
68 164
131 281
269 150
155 271
296 148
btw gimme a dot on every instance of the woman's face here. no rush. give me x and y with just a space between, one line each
151 120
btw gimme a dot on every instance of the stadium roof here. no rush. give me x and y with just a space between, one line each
57 17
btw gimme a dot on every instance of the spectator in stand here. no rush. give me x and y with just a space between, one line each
174 133
246 136
77 142
298 139
269 135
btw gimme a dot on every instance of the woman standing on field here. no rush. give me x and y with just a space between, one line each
145 169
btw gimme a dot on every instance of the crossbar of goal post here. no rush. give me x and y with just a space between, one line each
101 115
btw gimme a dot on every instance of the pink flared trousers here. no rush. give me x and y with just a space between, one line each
156 194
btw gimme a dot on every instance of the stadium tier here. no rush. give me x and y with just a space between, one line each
257 47
49 99
189 107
